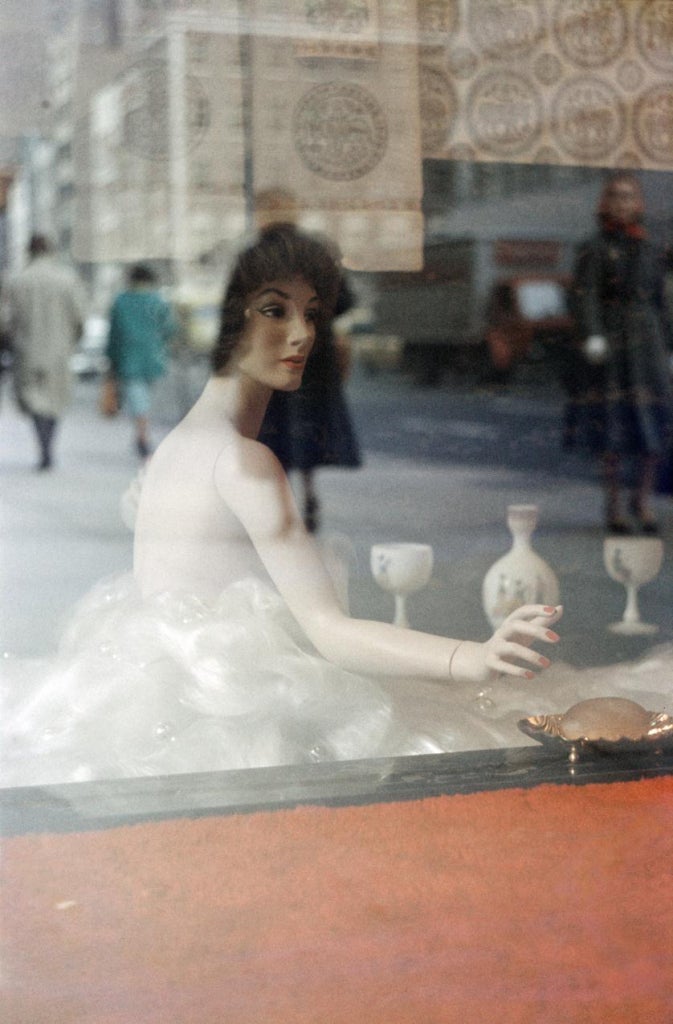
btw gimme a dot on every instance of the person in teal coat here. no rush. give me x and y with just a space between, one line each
141 326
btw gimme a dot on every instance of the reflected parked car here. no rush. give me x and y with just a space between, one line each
525 317
89 360
370 348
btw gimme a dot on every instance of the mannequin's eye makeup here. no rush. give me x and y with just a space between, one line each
275 304
272 309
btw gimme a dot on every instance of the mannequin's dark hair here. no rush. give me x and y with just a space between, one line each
280 252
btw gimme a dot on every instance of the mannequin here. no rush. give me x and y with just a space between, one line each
216 445
229 648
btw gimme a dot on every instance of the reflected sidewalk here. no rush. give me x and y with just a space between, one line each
62 531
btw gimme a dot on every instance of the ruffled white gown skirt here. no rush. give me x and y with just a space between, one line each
173 685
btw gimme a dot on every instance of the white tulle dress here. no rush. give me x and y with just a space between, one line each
173 684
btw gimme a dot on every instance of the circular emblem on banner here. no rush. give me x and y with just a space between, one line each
340 131
505 28
351 17
547 155
462 62
504 113
547 68
630 75
591 33
438 16
654 34
630 159
588 118
438 109
653 123
461 151
146 127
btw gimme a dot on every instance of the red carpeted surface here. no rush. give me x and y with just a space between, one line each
545 905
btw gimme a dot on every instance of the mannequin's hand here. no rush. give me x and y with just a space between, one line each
510 645
595 349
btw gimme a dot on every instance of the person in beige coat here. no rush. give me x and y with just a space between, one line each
43 309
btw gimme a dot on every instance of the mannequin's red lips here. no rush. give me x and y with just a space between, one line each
294 362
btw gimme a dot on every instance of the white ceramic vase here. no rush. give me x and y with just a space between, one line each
521 576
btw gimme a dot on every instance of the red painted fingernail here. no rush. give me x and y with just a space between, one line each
545 662
530 675
549 610
551 635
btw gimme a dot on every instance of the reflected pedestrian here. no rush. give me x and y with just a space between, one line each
141 326
621 312
311 427
43 309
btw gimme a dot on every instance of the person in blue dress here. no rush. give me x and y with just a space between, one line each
312 427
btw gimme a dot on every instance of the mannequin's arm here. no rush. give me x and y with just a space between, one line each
254 486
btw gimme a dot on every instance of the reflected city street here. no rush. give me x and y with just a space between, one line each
482 191
440 467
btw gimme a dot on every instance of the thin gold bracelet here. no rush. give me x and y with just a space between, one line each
453 654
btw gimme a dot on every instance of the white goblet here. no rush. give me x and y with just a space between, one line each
401 568
632 561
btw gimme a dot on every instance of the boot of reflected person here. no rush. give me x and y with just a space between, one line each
312 514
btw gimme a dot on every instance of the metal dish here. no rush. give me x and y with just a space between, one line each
598 724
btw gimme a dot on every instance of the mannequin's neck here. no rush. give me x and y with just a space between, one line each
239 399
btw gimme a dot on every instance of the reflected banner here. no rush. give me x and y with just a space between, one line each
367 88
168 129
548 81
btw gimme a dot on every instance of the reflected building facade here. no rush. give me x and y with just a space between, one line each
383 119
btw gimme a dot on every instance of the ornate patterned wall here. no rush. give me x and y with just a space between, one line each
337 101
351 94
336 121
548 81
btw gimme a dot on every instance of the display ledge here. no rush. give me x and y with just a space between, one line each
86 806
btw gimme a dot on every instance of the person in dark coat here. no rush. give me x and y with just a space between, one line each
619 303
43 310
312 427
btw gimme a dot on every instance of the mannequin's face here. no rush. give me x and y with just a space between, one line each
279 334
623 201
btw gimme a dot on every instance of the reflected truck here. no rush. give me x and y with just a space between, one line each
478 305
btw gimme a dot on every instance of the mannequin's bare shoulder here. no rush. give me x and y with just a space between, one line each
253 484
244 457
